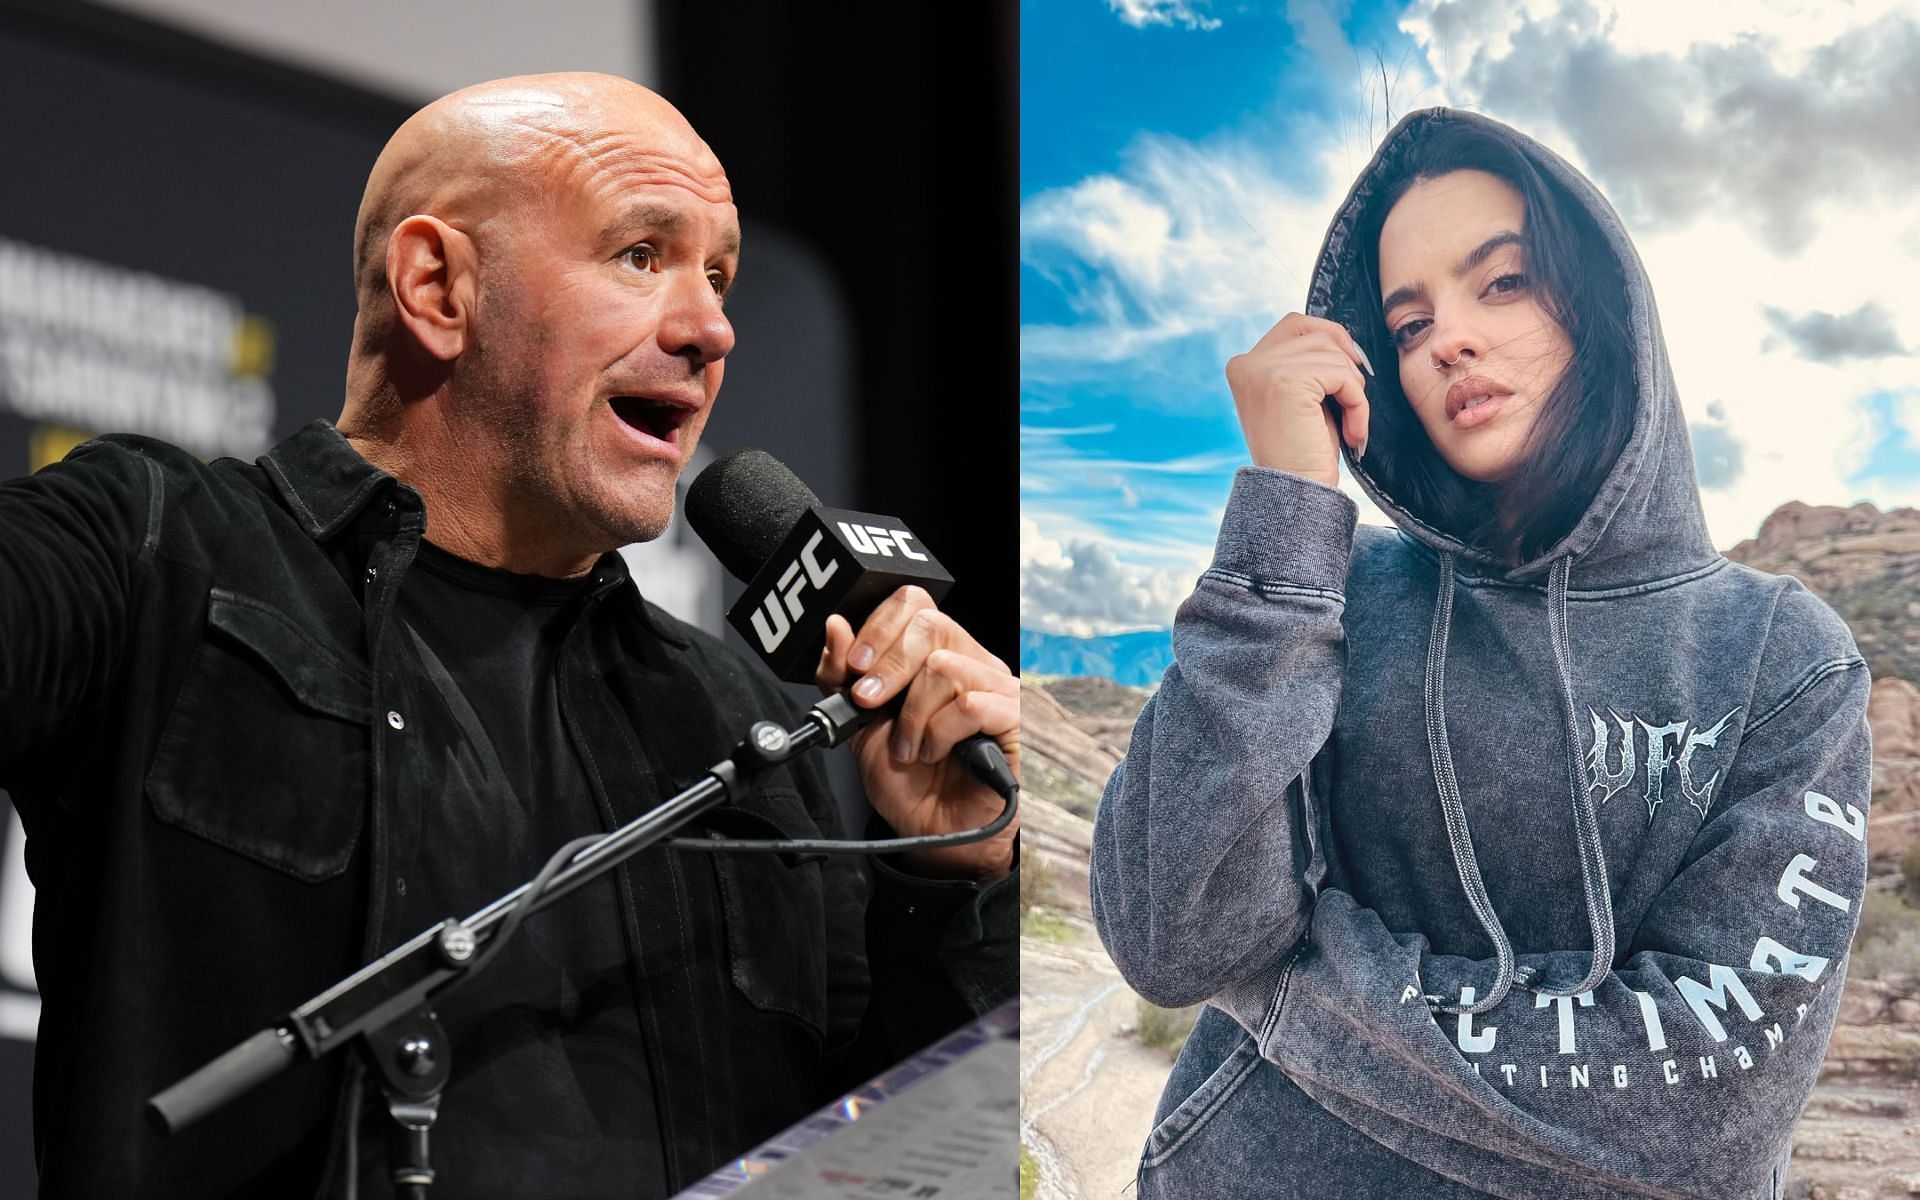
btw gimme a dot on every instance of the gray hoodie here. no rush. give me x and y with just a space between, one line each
1529 881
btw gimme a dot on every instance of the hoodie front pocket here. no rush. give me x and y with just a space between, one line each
267 751
1192 1114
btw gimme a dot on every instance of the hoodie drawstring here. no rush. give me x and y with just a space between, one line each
1593 864
1586 823
1450 806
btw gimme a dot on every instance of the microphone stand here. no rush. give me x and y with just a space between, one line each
384 1007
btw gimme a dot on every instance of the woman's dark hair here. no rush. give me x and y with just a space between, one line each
1585 421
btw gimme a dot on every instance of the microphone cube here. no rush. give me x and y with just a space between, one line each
834 561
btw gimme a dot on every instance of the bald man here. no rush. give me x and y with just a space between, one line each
263 721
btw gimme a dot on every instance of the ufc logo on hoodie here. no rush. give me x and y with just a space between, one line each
1661 742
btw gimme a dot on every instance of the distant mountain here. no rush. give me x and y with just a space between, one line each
1134 659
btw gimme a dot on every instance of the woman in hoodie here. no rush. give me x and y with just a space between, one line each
1518 849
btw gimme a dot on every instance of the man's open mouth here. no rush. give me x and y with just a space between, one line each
655 418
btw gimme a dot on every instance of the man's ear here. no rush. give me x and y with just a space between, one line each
433 272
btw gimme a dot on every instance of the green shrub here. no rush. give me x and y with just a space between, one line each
1078 796
1046 925
1910 871
1165 1029
1888 941
1036 883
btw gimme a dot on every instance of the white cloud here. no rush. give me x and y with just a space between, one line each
1184 13
1159 515
1803 426
1081 588
1866 332
1316 27
1036 548
1087 570
1187 241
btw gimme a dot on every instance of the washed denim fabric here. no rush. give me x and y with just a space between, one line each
204 725
1529 881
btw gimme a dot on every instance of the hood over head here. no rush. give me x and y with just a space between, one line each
1642 524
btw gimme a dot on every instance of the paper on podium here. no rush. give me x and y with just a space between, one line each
942 1125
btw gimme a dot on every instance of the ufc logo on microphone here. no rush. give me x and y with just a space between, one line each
876 539
774 619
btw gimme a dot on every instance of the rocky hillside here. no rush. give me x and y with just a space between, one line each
1074 731
1866 564
1894 822
1863 562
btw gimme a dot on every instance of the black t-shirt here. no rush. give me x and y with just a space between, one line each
550 1094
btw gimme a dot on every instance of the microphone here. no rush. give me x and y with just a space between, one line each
801 560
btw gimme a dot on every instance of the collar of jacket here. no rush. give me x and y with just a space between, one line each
326 484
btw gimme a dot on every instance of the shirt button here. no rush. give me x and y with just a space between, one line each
400 885
396 720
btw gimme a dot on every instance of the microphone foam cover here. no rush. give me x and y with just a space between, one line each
743 506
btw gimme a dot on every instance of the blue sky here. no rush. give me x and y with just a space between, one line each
1180 159
1895 454
1165 78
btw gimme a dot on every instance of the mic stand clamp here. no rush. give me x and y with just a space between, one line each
411 1060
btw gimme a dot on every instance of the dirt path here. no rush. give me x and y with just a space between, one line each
1087 1088
1857 1143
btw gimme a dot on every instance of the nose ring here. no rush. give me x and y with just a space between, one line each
1441 364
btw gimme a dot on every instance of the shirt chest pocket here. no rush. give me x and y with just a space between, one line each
776 915
267 751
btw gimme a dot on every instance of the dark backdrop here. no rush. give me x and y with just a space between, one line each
884 135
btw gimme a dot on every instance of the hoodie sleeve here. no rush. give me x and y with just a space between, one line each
1198 846
1682 1074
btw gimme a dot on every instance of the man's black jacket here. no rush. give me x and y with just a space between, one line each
203 724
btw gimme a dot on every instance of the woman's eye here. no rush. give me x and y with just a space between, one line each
644 256
1404 334
1507 284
